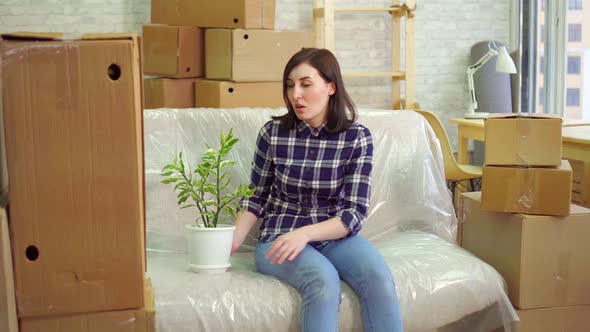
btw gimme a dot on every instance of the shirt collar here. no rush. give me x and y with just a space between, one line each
306 130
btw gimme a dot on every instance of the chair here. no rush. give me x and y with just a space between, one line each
455 173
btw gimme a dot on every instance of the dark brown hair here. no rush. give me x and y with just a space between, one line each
326 64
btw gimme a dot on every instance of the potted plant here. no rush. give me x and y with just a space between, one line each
206 189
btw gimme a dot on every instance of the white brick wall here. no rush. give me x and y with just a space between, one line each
445 31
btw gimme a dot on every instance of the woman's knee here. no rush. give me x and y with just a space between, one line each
322 284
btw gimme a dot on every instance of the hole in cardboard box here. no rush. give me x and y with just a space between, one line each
32 253
188 69
230 90
245 36
236 20
114 72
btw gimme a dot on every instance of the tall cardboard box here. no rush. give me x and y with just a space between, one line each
545 260
556 319
523 140
3 167
133 320
233 14
221 94
169 92
8 318
74 143
251 55
173 51
532 190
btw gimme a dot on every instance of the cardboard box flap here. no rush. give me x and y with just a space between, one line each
28 35
523 116
574 210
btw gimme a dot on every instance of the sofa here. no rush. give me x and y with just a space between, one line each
441 287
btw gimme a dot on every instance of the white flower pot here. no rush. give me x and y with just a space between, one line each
209 249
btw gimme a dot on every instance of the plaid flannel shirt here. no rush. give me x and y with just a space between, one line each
306 175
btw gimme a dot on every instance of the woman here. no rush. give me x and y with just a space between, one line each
312 174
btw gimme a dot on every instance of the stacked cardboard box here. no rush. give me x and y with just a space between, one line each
581 182
524 225
72 113
523 171
544 260
232 48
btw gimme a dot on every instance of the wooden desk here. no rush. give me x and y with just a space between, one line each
576 138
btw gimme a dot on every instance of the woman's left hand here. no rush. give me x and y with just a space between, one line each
287 246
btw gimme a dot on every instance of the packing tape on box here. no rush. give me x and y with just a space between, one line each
524 188
522 140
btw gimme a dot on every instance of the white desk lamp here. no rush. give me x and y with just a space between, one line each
504 64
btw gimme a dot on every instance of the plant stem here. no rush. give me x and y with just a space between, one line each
218 164
190 181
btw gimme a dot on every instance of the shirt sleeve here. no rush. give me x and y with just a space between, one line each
357 184
262 174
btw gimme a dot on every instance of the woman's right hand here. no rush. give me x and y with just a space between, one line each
244 222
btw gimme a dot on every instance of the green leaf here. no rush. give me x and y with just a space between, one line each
225 185
170 180
209 202
182 199
226 163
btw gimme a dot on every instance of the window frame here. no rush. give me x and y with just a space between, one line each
524 37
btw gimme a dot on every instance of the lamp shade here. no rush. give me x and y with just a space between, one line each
504 62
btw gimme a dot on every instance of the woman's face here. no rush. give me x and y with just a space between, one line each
309 94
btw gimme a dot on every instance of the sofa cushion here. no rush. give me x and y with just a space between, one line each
437 283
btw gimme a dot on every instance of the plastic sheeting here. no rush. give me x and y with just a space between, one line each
411 221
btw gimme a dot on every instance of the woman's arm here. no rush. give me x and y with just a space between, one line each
357 184
261 178
244 222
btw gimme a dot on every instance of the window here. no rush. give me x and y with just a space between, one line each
574 32
553 67
575 4
573 64
573 97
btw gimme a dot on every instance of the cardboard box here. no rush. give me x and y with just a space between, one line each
169 92
544 259
251 55
562 319
74 145
221 94
8 318
3 167
135 320
233 14
173 51
529 190
581 182
523 140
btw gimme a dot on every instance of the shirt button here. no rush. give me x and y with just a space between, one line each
308 169
312 151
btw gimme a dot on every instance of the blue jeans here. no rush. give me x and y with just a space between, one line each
317 273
